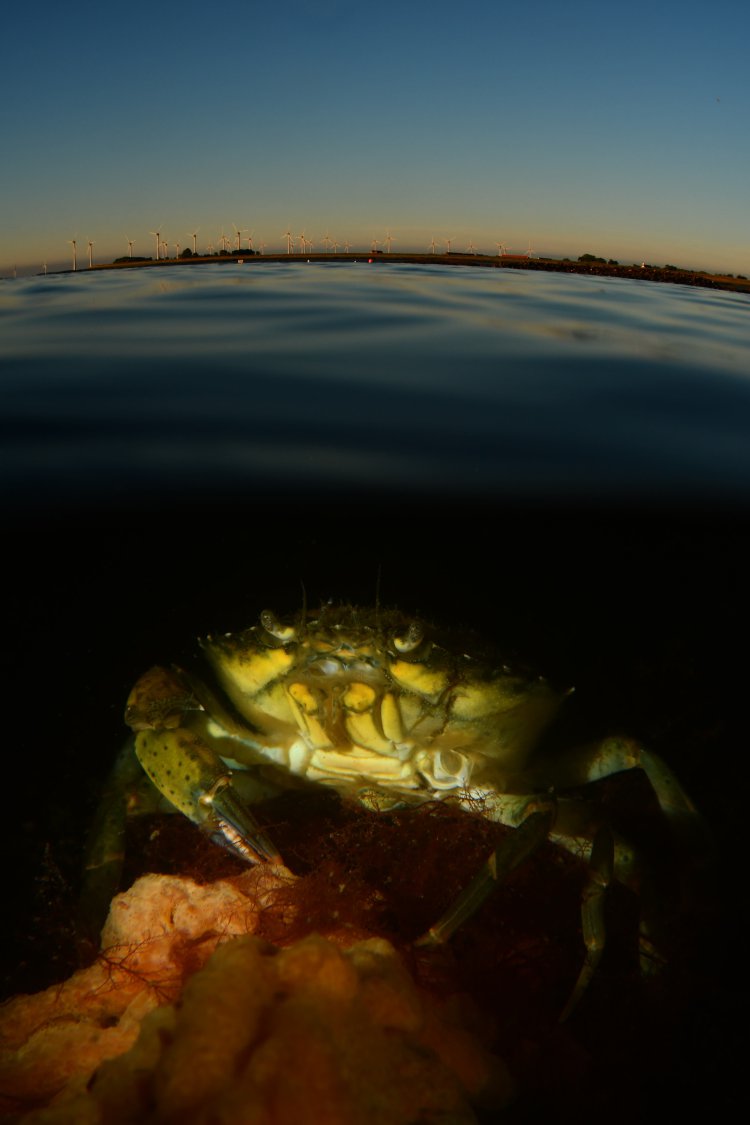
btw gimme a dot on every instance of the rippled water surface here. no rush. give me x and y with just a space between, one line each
441 380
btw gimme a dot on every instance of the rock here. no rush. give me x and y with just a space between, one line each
187 1015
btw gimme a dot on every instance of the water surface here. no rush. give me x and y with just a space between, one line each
438 380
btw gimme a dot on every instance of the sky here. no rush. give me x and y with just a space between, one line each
618 129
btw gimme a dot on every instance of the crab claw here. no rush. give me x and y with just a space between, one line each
230 823
198 784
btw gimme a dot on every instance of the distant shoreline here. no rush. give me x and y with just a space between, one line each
547 265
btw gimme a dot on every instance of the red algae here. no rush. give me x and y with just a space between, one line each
494 993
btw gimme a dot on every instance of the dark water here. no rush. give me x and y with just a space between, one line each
561 462
435 380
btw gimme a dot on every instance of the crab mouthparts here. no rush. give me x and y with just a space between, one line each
345 667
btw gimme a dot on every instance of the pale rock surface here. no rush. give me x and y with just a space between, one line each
186 1016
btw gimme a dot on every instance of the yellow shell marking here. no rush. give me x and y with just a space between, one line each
430 683
249 674
305 707
390 718
358 697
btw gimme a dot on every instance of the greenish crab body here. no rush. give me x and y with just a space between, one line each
385 711
365 702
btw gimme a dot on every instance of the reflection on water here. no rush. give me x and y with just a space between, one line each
436 379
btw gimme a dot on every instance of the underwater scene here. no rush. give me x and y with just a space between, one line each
417 592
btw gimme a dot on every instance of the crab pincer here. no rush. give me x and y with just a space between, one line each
186 771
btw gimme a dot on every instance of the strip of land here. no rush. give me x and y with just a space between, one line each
551 265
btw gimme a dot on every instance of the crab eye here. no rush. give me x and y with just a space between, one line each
272 625
410 640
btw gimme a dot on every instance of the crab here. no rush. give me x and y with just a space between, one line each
384 710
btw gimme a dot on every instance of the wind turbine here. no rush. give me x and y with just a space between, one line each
327 242
249 241
471 248
302 242
130 247
448 243
501 249
374 245
239 234
91 247
433 244
157 235
194 236
389 239
289 240
72 242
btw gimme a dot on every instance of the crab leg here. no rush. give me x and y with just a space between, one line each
601 873
105 850
617 755
160 709
520 844
196 781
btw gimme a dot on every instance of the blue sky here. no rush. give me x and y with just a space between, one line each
620 129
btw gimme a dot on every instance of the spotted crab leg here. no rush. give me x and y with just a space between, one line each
193 778
196 781
517 847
